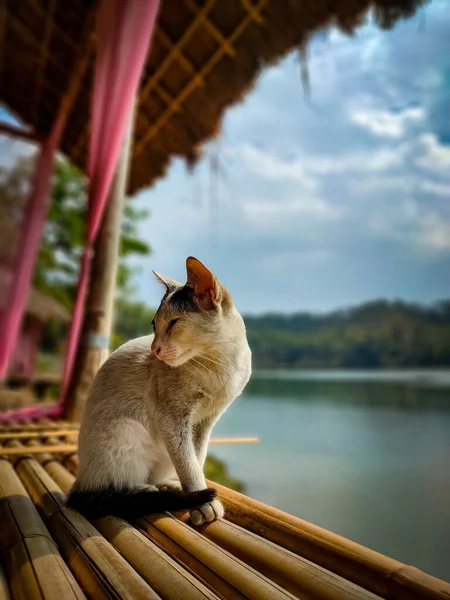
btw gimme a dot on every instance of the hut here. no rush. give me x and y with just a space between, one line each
79 75
39 310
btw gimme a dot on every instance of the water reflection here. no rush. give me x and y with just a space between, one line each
366 458
417 394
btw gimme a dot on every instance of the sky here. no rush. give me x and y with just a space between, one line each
326 201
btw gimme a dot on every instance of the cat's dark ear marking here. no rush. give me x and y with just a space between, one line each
170 284
205 285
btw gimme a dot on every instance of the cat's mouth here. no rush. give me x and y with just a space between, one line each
177 361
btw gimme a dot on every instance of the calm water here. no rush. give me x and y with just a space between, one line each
366 455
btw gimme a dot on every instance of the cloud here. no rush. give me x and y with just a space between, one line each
435 156
326 201
437 188
385 123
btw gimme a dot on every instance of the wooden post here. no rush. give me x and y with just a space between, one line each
97 324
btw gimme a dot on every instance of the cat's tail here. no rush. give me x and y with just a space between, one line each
131 504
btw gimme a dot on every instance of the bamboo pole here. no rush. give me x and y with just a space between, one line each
4 590
157 568
97 323
190 563
247 581
375 572
72 447
34 565
30 435
100 570
18 132
297 575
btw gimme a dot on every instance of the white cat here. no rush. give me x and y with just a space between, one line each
145 432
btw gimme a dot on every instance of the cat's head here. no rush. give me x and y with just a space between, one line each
192 317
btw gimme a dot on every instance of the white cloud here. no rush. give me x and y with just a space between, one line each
436 156
386 123
312 207
437 188
435 233
306 168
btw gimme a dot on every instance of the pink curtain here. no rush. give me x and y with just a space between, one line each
28 246
124 30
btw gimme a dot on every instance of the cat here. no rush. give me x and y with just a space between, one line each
145 431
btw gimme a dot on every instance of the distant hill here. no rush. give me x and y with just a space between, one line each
375 334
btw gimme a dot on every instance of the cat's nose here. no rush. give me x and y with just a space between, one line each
156 349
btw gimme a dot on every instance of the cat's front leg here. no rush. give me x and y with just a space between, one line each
178 439
202 432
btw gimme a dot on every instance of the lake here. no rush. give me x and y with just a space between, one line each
364 454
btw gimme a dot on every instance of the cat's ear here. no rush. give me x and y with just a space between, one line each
170 284
206 287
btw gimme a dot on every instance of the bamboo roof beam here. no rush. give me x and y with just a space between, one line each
42 62
3 17
220 38
176 51
20 133
199 78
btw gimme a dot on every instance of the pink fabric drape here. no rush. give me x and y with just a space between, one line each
28 246
124 30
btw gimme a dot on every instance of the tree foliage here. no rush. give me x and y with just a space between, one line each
132 319
377 334
57 264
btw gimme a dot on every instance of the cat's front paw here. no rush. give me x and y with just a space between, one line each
206 513
172 485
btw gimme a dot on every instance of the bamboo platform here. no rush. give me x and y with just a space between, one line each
51 552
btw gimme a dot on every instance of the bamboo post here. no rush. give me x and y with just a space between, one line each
97 323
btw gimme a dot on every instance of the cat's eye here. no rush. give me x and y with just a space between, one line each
153 324
171 324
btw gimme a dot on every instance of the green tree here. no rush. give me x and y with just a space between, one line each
57 264
132 319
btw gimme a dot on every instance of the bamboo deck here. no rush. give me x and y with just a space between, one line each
51 552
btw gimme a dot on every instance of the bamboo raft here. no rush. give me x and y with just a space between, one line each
51 552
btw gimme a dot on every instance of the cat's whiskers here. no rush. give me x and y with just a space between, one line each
198 370
216 362
202 365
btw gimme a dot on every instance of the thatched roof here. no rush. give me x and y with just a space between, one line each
39 305
205 56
